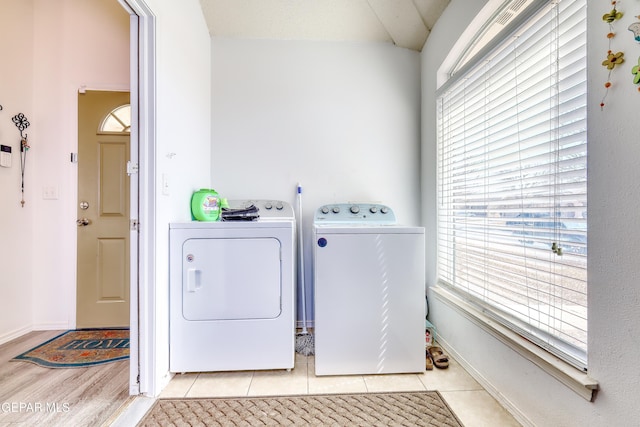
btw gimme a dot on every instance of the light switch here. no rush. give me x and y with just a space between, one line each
50 192
165 184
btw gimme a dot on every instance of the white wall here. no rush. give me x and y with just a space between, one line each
614 291
50 49
77 43
16 235
343 119
182 150
614 229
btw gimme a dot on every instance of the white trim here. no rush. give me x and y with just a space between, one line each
134 209
484 21
55 326
134 412
104 88
16 333
568 375
488 386
147 200
143 364
460 46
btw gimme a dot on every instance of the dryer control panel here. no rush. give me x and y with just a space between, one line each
267 209
355 213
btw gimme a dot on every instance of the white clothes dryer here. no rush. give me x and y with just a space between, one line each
232 292
368 291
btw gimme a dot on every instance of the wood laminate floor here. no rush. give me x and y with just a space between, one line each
31 395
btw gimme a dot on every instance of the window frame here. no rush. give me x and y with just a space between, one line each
568 354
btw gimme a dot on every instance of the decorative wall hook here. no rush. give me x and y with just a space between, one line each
22 124
635 29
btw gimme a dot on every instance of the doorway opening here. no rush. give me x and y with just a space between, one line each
103 238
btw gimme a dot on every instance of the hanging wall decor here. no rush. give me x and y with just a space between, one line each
613 59
22 124
635 29
636 73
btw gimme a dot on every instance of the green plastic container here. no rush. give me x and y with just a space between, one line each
205 205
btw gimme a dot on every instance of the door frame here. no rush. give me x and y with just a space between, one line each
103 137
142 52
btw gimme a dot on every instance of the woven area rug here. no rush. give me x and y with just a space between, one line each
80 348
425 408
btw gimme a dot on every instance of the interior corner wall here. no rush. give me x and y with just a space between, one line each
182 152
50 49
342 119
534 397
77 43
16 232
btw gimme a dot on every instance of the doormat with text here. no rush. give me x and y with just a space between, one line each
80 348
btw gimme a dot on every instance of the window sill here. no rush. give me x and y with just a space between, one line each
578 381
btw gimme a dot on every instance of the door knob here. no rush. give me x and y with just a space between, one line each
83 222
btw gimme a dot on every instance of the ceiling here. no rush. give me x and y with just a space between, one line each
405 23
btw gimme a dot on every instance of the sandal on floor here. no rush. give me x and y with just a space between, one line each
429 362
440 359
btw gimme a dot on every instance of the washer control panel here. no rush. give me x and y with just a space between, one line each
355 213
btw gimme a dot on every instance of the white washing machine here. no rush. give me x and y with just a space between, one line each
232 292
368 291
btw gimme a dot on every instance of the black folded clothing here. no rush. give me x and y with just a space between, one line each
250 213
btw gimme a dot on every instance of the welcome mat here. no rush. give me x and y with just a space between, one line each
79 348
426 408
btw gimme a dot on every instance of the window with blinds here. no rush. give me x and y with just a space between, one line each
512 181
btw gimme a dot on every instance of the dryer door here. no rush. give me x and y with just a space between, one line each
231 278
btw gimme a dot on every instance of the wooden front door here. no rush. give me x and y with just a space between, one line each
103 210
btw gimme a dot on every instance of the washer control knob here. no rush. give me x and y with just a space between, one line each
384 210
373 209
336 209
354 209
268 205
324 210
279 206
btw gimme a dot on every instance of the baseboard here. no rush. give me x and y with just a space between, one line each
134 411
486 384
57 326
11 335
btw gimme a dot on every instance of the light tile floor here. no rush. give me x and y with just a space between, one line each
470 402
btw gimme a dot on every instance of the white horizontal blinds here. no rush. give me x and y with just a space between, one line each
512 181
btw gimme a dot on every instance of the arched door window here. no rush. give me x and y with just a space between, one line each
117 121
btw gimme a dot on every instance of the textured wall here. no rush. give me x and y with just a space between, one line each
614 291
